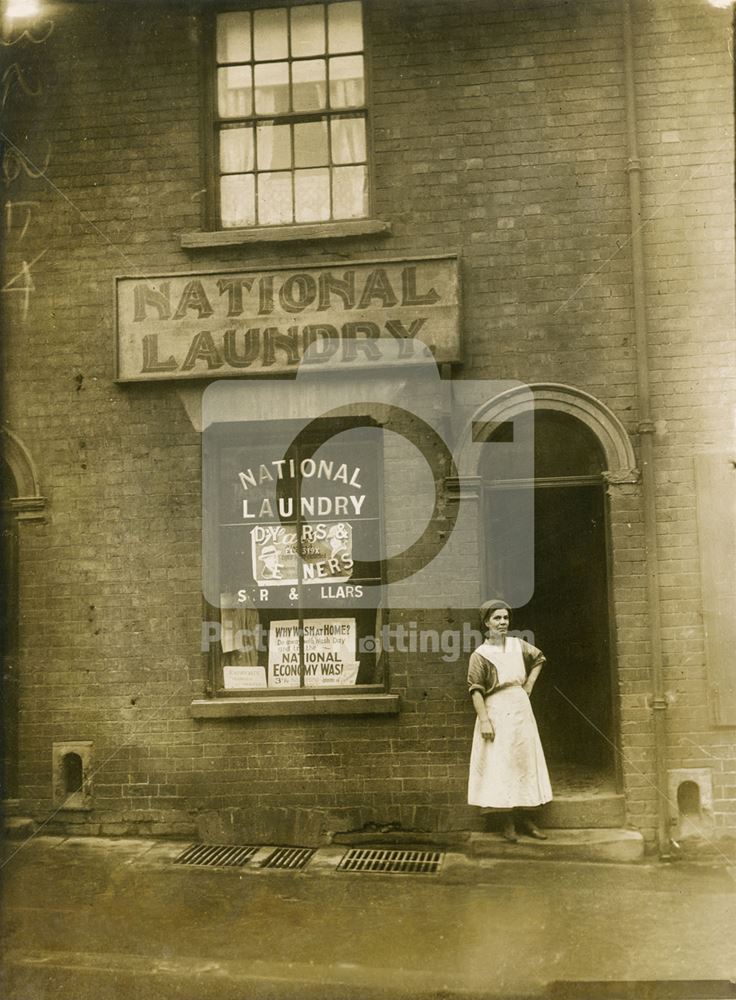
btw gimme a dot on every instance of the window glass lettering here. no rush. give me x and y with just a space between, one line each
291 564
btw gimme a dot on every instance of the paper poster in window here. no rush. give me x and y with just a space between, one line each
327 552
329 653
283 654
274 555
326 549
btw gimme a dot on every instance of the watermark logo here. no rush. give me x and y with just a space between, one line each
380 487
448 645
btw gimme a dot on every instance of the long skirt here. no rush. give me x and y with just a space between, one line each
510 770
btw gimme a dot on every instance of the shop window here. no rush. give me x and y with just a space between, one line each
290 116
295 569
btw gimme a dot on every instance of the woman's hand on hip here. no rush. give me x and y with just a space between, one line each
487 731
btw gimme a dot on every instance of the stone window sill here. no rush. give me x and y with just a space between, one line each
278 234
303 704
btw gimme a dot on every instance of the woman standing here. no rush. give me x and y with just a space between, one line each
508 771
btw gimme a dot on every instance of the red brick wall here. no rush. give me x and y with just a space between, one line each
498 133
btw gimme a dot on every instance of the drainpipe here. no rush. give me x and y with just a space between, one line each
646 435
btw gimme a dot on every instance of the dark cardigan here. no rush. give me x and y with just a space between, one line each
483 675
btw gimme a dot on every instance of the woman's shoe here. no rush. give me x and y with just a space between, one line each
532 830
508 832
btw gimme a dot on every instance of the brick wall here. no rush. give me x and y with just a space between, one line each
685 88
498 133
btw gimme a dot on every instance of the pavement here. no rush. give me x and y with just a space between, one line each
97 918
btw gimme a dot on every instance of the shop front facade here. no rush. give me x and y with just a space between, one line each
324 323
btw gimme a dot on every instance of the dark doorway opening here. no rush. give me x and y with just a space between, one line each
567 615
72 773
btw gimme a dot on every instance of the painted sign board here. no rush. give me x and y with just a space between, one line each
258 323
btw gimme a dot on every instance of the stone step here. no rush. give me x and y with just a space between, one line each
573 812
563 845
19 827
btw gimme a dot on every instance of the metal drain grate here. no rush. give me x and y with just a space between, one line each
216 855
289 857
362 859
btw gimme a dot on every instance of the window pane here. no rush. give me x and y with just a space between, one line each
234 92
308 30
272 89
269 34
348 140
274 147
274 199
310 144
308 85
233 37
236 150
346 82
345 27
237 200
312 195
349 192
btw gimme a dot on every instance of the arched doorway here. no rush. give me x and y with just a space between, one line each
568 613
21 504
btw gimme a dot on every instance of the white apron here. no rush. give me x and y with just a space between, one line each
510 770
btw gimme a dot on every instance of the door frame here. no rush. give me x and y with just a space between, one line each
612 660
24 505
621 479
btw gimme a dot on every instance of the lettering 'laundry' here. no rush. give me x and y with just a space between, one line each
248 323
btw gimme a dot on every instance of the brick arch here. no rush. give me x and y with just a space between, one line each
603 422
28 504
